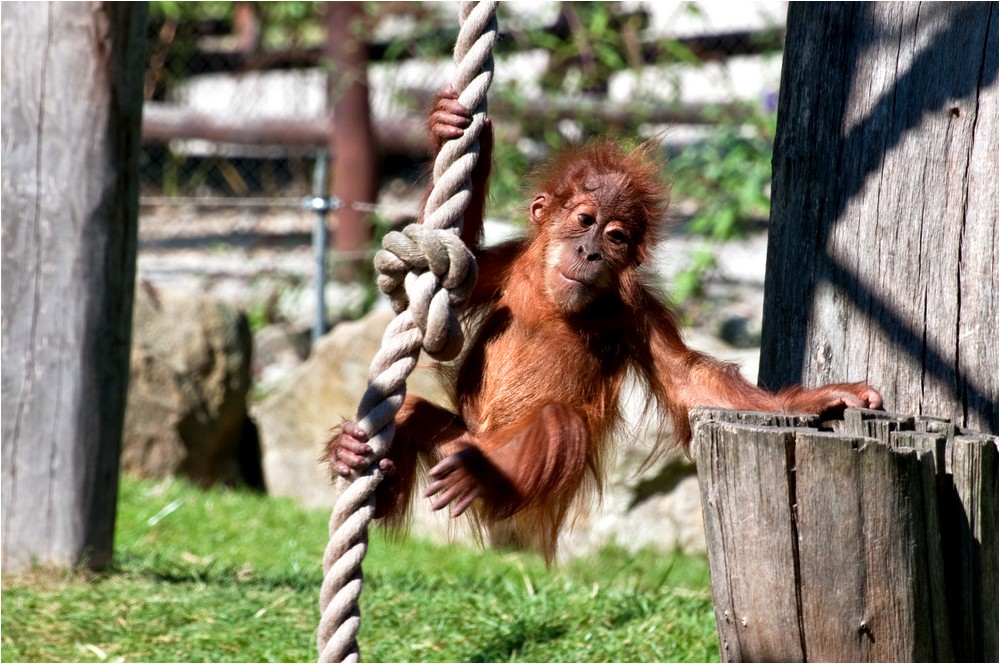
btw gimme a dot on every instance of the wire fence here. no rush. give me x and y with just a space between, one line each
237 93
238 115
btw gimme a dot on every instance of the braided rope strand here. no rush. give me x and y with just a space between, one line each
424 272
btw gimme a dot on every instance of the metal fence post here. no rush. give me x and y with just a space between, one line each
320 203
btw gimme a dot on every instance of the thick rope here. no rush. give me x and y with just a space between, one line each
424 270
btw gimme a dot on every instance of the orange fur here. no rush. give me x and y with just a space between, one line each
556 321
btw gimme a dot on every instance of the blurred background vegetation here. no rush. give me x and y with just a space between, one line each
565 71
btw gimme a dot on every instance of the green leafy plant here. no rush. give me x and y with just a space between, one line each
287 24
728 175
689 282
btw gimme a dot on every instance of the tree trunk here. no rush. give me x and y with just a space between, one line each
351 140
72 105
882 255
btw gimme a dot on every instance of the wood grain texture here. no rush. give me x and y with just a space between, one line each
72 79
745 475
705 414
882 253
974 523
869 559
876 541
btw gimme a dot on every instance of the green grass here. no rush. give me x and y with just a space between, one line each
230 576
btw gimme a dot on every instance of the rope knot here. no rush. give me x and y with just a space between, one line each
429 272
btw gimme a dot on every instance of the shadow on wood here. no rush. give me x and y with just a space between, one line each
874 539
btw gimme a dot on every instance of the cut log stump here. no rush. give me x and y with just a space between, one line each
873 538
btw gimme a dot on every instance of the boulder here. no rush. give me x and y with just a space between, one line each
295 419
187 400
278 349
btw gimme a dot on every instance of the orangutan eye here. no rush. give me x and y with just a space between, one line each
586 220
617 236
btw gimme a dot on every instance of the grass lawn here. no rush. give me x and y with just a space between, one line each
230 576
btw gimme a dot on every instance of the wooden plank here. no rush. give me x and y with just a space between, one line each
163 123
935 443
867 552
939 425
745 475
896 546
877 424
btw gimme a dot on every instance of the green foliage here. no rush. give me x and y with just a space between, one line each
602 41
285 24
424 37
178 30
581 63
507 194
260 314
729 176
689 282
187 11
224 575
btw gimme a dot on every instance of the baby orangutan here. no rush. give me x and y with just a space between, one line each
558 317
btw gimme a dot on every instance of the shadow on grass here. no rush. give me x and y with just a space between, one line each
167 570
504 646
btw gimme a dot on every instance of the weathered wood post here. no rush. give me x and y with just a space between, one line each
876 540
882 246
72 104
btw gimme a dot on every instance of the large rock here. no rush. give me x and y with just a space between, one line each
187 401
657 506
278 349
295 419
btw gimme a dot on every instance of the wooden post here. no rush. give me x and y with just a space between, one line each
72 105
882 251
840 546
352 141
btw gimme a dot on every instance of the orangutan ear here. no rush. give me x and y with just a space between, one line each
538 208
